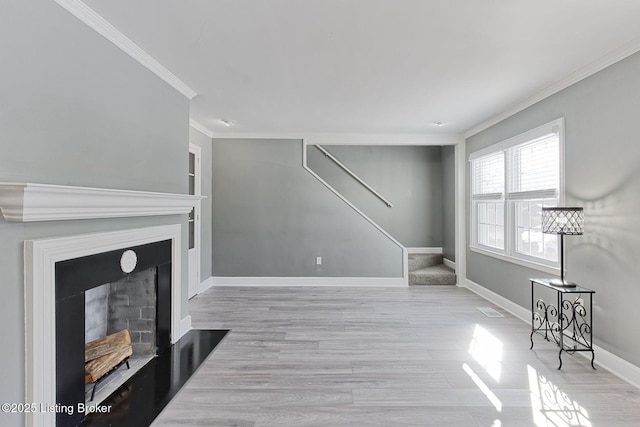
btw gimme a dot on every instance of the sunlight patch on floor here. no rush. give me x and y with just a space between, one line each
483 388
551 406
486 349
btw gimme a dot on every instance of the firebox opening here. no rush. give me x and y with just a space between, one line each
126 304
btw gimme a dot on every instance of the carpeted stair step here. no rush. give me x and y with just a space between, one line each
438 274
418 261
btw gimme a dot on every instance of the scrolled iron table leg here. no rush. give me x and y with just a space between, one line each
560 358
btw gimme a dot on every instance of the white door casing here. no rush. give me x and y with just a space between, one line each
194 220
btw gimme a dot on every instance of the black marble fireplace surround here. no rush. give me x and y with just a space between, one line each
74 277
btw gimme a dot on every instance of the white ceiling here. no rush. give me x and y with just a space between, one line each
369 66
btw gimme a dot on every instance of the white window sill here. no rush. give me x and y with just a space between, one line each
522 262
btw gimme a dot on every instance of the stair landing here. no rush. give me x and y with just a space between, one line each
429 269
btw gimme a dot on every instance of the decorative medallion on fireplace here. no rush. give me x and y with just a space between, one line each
128 261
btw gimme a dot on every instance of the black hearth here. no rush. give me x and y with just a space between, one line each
143 396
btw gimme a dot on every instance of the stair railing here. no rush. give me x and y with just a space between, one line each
354 176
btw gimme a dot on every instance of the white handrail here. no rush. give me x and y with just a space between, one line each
354 176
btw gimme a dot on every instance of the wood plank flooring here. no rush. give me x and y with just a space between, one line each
416 356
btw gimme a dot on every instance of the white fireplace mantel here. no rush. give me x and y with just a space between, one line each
28 202
41 255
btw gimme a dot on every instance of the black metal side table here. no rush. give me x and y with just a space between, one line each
569 323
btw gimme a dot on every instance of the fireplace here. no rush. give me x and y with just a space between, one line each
73 278
59 272
26 202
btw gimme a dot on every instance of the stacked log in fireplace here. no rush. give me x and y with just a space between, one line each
105 355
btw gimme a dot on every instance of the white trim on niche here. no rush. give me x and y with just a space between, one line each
424 250
27 202
449 263
40 258
460 211
100 25
309 281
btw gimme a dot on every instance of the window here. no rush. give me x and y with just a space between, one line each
488 196
510 183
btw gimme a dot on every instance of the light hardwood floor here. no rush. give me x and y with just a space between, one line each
417 356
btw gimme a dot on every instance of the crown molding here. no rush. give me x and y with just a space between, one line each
352 138
580 74
259 135
90 17
28 202
200 128
382 139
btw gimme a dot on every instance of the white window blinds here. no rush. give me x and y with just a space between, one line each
488 200
488 177
534 170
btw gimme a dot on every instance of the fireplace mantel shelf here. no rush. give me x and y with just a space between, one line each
30 202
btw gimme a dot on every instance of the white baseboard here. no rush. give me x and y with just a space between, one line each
508 305
609 361
185 325
449 263
424 250
616 365
309 281
205 285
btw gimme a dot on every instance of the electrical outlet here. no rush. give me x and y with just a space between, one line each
318 260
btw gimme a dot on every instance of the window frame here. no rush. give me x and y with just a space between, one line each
509 253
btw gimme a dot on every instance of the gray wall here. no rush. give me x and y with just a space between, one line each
449 202
204 142
76 110
272 218
410 177
602 175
